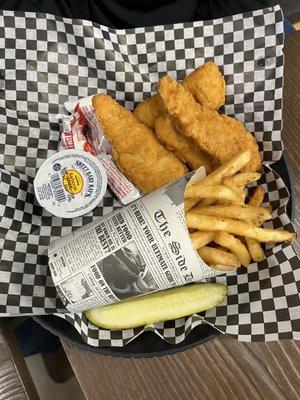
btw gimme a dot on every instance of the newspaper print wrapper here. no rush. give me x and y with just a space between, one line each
138 249
47 61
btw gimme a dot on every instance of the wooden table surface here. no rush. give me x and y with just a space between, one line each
15 380
222 368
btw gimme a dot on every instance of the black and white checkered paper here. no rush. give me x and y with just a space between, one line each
48 60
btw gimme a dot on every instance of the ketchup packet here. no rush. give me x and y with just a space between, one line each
81 131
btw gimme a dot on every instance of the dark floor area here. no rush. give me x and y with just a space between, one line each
291 9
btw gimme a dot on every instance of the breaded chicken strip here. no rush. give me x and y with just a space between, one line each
220 136
206 84
135 147
149 110
184 147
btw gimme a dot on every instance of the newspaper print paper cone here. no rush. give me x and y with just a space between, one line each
141 248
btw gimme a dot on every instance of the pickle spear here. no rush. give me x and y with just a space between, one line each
159 306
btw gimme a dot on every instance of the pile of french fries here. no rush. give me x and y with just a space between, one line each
224 229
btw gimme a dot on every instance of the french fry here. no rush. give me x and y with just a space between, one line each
209 223
225 268
234 245
254 247
258 197
207 202
214 192
189 203
233 186
229 168
243 194
258 221
241 179
244 212
211 255
200 239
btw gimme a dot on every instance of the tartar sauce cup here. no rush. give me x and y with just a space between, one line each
70 183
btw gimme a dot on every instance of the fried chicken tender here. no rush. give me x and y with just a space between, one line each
220 136
135 148
148 111
184 147
206 84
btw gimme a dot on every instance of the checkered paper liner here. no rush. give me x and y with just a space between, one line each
48 60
